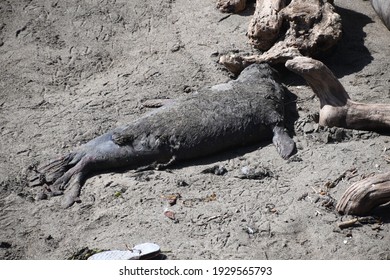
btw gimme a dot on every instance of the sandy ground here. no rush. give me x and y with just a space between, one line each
73 69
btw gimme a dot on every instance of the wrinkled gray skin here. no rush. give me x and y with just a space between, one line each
237 113
382 8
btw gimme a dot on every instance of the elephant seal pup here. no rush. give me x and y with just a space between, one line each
240 112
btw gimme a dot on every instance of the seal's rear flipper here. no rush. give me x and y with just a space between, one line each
68 171
283 142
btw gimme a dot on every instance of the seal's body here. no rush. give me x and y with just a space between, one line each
243 111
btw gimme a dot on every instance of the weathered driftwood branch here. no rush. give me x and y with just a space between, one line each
278 54
365 195
231 6
382 8
303 27
264 28
337 109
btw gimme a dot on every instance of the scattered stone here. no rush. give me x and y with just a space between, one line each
176 47
295 158
216 170
258 173
172 198
182 183
303 196
211 197
171 215
5 245
308 128
41 196
251 231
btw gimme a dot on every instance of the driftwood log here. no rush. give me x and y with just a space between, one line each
382 8
337 109
286 29
365 195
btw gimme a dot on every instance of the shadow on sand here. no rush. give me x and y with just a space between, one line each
350 55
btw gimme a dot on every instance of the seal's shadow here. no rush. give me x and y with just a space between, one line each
350 55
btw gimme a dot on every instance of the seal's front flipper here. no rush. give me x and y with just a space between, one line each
283 142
